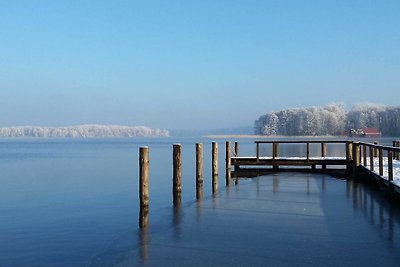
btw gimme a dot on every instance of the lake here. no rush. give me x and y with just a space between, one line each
69 202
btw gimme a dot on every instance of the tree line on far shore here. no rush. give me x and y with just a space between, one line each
332 119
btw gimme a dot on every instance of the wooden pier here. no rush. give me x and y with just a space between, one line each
361 161
357 161
276 161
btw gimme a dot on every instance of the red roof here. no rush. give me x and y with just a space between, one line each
371 132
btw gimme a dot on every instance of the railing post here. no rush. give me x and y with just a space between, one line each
390 165
257 152
199 171
308 151
376 150
214 167
144 186
365 155
323 154
349 154
371 158
275 154
356 159
380 155
236 149
228 162
177 174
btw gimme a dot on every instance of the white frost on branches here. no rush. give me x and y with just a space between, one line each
82 131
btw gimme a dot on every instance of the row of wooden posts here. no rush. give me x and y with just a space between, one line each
358 150
177 174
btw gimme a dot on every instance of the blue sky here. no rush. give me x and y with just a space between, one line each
192 64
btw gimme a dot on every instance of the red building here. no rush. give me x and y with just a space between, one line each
365 132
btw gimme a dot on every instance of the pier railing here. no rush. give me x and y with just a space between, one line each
374 155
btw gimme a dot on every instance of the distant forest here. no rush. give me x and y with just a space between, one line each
332 119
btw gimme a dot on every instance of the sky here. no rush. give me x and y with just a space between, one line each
183 64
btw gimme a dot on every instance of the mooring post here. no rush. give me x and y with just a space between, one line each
394 145
349 155
390 165
199 171
144 186
177 174
323 154
228 155
214 167
364 154
380 155
397 157
228 162
356 159
371 158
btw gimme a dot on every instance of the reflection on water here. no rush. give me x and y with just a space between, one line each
144 238
378 210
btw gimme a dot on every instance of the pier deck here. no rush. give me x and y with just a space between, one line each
282 219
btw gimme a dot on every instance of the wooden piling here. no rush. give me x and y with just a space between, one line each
356 159
308 151
177 174
228 162
214 167
390 165
371 158
228 155
199 171
144 186
380 155
397 154
323 154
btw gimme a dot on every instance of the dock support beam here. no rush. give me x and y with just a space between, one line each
177 174
214 167
199 171
144 186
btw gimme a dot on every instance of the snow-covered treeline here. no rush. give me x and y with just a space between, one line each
82 131
330 120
